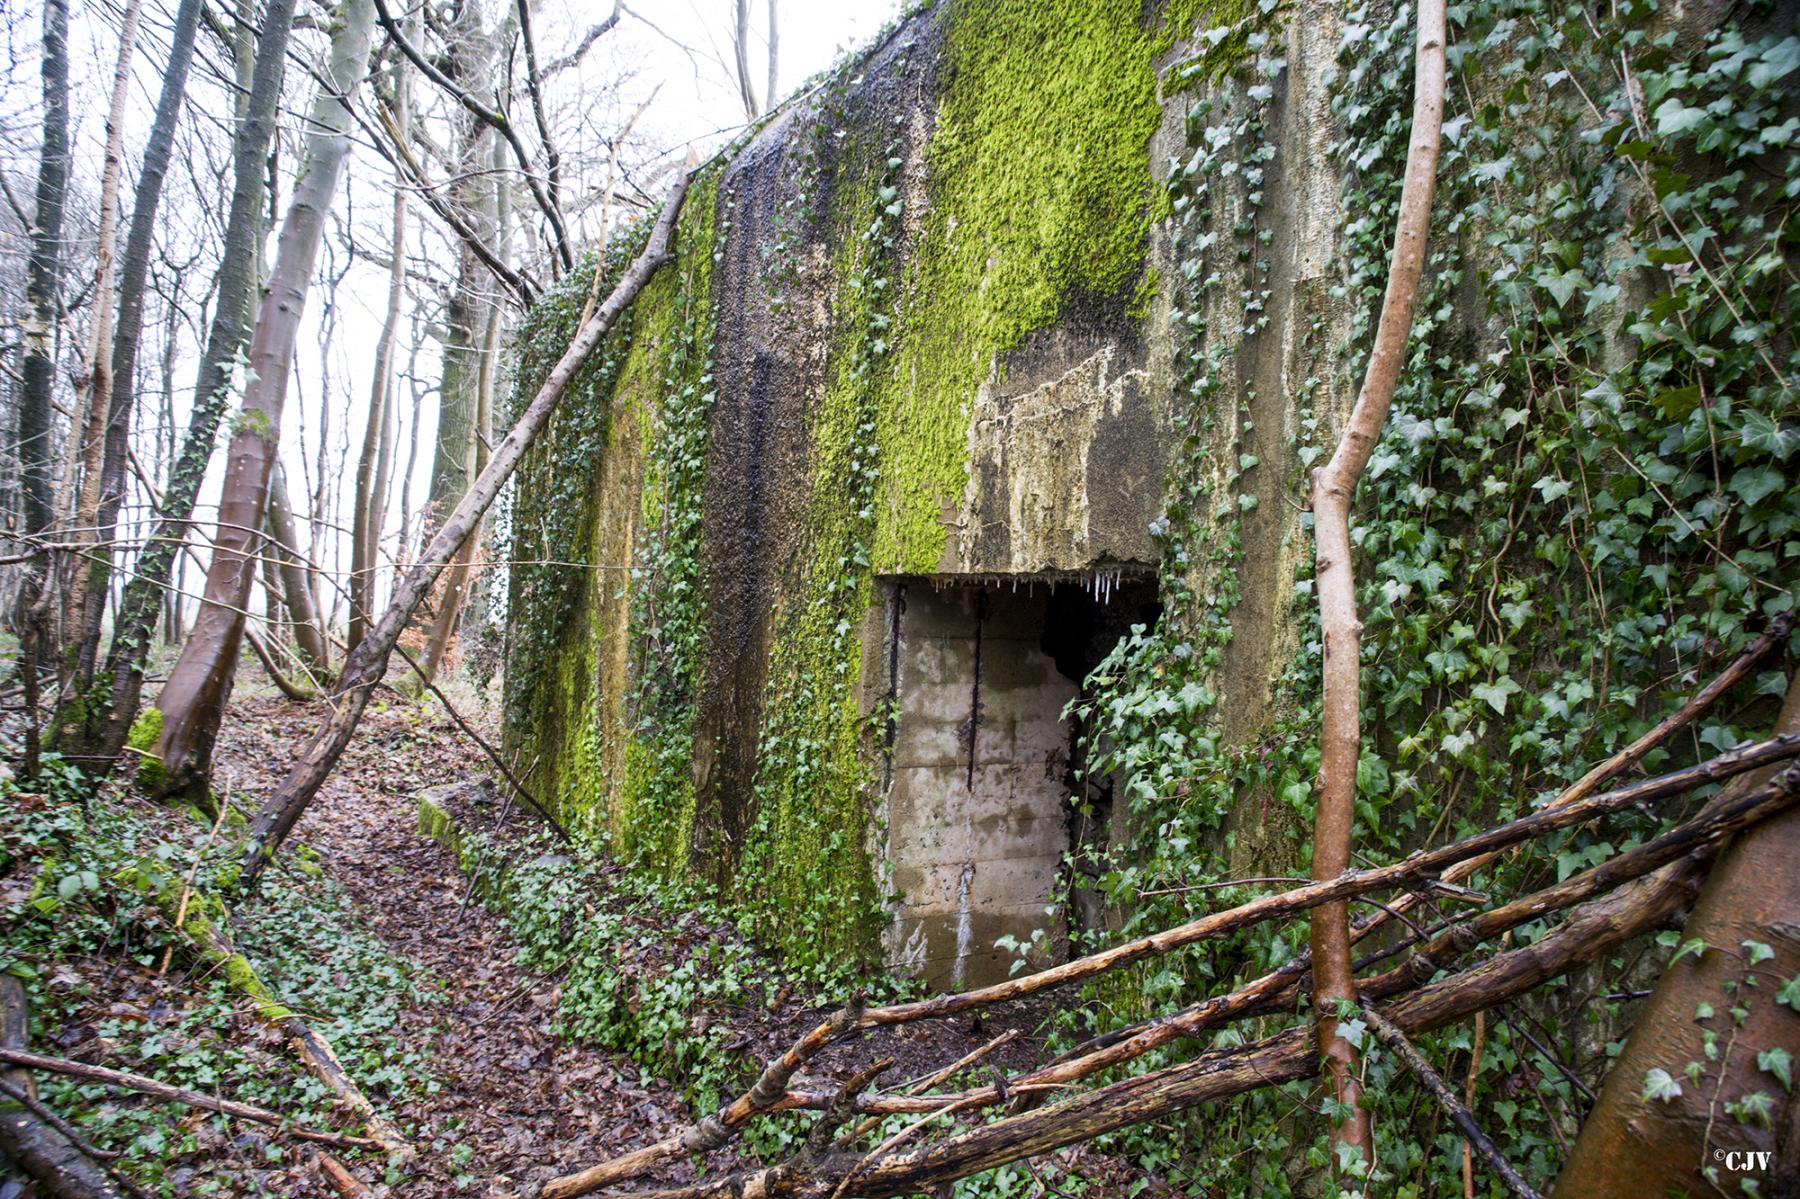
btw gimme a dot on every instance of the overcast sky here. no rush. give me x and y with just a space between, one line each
674 49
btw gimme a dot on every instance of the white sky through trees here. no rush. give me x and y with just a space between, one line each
678 51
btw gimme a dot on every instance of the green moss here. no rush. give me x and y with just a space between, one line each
1041 192
255 422
655 802
146 730
809 883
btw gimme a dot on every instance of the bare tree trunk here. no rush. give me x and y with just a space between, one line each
369 507
366 667
92 582
44 271
773 90
296 583
193 700
1334 487
88 421
1648 1141
740 45
235 286
412 454
455 596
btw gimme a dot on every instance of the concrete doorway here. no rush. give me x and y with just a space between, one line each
979 758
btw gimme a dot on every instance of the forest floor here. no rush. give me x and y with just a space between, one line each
368 928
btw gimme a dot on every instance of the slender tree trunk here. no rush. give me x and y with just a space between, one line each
1646 1141
193 700
412 456
370 505
235 286
134 271
1334 487
88 422
456 590
367 666
740 45
44 271
773 90
296 581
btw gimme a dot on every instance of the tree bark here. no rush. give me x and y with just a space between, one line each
366 667
193 700
1334 487
1632 1144
92 581
740 45
370 506
43 272
772 91
455 595
88 418
296 583
234 286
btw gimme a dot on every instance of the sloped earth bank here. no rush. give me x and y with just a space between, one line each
514 1103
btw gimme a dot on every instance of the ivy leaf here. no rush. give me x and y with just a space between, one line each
1755 1108
1660 1084
1753 483
1790 993
1553 489
1780 1063
1494 694
1760 431
1759 952
1693 945
1777 61
1673 117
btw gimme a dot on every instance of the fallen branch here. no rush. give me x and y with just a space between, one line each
1396 1041
127 1081
338 1175
367 664
44 1145
769 1092
313 1050
1590 932
1702 836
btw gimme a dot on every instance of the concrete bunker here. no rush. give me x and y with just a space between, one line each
980 763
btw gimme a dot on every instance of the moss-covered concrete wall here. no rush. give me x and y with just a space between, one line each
1069 297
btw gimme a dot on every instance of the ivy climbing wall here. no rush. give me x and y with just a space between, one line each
1062 294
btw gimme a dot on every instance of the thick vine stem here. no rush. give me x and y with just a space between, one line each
1334 486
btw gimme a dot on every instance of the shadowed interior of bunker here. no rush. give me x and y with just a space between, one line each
981 764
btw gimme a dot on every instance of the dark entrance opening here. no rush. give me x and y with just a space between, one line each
981 763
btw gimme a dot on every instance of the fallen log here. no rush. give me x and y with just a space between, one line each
769 1093
1589 932
313 1050
61 1162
